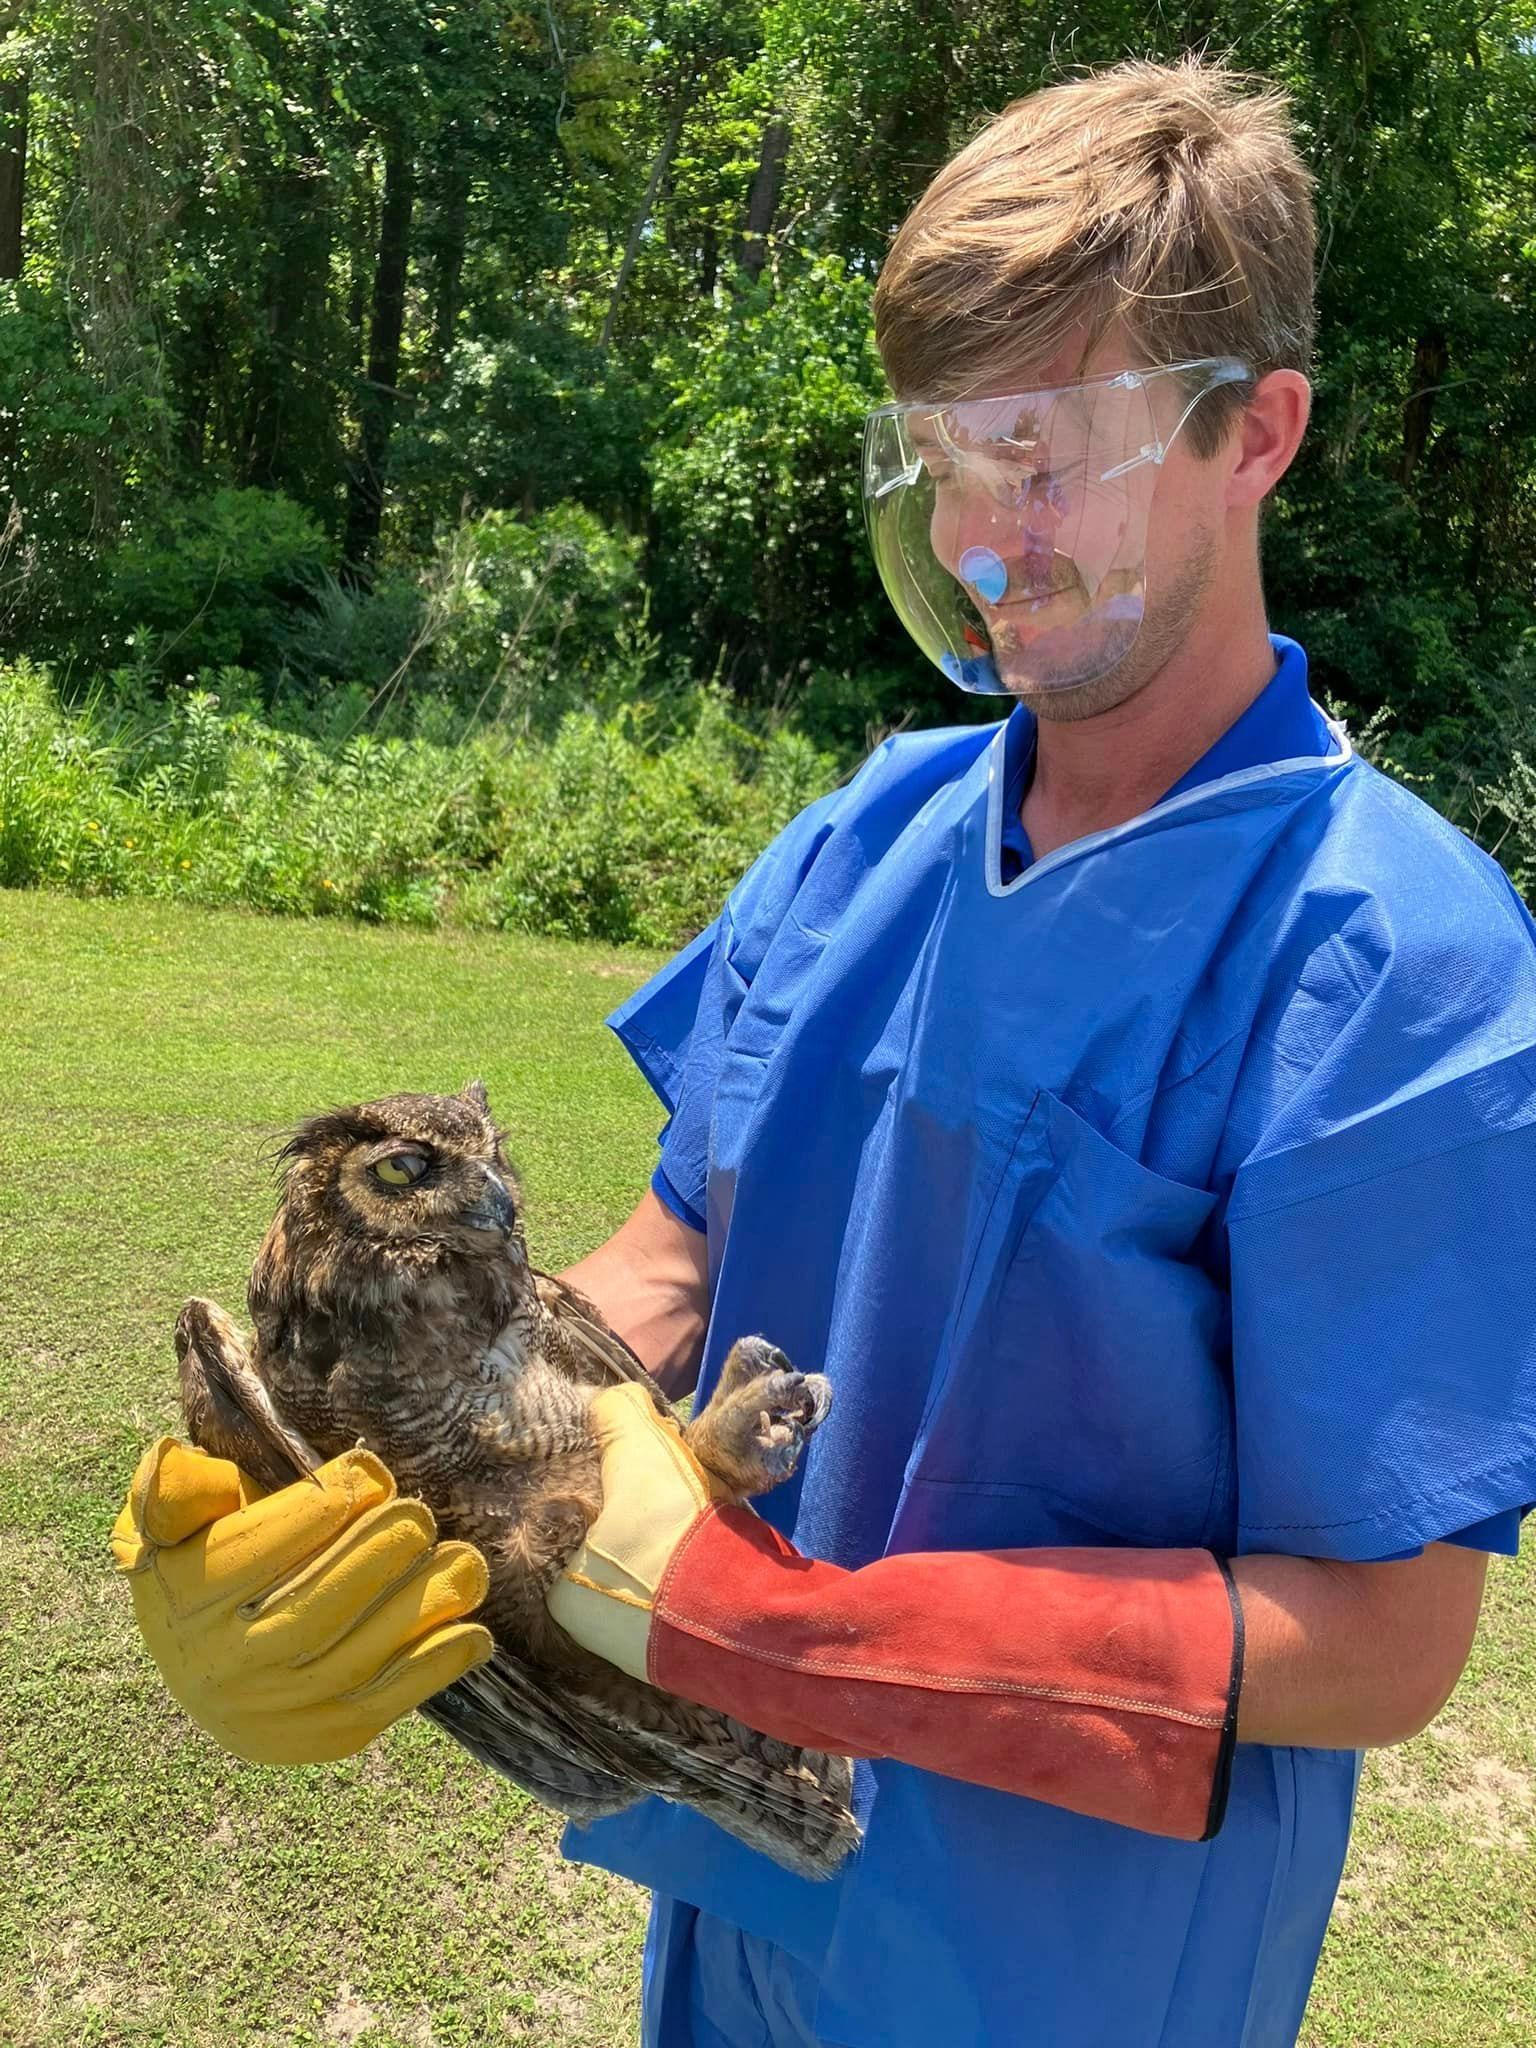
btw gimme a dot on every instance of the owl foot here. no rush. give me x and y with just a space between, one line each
757 1421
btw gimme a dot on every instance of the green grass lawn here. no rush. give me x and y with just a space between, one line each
153 1890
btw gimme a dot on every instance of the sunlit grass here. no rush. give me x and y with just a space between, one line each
153 1890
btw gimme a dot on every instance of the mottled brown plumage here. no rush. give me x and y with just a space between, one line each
394 1306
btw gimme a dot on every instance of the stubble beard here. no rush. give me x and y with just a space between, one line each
1165 626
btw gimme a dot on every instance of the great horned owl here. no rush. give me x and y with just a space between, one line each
394 1306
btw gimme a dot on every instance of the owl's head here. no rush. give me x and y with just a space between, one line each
411 1174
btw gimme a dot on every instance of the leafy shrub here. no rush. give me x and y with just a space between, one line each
214 581
1473 763
343 635
526 614
619 840
513 620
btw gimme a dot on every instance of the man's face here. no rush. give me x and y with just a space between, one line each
1066 568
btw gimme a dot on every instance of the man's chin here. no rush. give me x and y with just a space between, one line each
1052 683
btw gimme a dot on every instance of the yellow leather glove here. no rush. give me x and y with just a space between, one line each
654 1490
295 1626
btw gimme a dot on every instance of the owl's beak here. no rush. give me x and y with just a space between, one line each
494 1210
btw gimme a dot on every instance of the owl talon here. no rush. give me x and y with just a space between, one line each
756 1424
798 1404
750 1358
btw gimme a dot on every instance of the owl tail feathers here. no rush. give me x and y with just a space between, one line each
228 1410
792 1806
790 1803
588 1752
511 1720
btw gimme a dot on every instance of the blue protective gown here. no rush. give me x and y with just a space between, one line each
1174 1192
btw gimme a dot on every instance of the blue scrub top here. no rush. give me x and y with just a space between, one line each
1149 1195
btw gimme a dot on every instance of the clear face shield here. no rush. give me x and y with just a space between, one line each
1011 533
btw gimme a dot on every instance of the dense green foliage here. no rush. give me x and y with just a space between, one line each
603 832
464 370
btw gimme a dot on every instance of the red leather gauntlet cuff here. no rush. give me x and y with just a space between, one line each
1103 1681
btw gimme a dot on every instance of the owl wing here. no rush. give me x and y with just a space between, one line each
595 1353
228 1411
509 1718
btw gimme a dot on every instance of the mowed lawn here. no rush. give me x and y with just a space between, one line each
153 1890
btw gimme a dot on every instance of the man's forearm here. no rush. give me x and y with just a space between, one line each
1330 1656
1110 1681
1353 1656
651 1282
1113 1681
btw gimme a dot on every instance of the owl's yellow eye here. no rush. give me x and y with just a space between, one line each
400 1169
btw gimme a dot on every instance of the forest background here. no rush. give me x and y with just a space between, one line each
429 433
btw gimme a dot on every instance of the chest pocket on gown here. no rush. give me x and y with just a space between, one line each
1085 1393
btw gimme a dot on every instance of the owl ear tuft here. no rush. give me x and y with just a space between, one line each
473 1092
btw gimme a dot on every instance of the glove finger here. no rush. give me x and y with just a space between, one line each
422 1669
446 1586
175 1491
341 1727
246 1553
303 1616
317 1735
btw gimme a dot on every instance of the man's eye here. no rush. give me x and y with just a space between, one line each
400 1169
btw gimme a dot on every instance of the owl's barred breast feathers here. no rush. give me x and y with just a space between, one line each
394 1305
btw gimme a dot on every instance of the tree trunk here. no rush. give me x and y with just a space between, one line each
1431 358
13 170
361 231
134 126
365 496
298 210
763 199
449 237
709 260
669 143
195 359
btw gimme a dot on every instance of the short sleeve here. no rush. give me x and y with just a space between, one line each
655 1027
673 1029
672 1201
1384 1326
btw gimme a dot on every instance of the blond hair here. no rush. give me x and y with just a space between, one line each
1167 199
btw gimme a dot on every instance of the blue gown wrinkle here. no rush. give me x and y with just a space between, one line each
1146 1198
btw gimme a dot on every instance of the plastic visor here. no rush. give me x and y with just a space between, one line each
1010 533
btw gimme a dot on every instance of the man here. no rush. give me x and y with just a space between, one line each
1118 1105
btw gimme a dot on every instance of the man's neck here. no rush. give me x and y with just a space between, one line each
1094 773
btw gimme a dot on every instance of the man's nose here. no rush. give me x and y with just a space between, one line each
965 519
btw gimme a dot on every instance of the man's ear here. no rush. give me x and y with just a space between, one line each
1269 430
